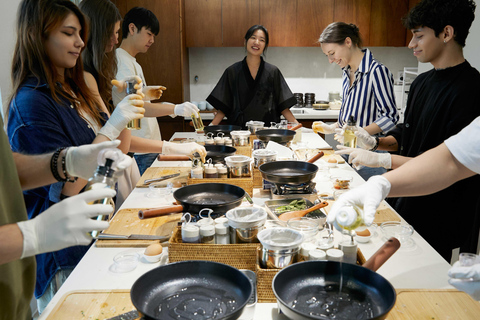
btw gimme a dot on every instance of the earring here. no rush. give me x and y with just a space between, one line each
445 41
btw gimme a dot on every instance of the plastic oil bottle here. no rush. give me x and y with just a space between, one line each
349 138
349 218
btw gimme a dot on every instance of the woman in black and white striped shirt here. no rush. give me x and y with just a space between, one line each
367 85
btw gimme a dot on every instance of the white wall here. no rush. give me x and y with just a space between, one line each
305 69
8 16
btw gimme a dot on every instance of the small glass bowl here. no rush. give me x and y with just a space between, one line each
400 230
341 182
125 261
306 226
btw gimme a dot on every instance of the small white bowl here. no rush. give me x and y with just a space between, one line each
153 259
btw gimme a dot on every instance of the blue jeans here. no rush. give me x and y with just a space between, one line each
367 172
144 161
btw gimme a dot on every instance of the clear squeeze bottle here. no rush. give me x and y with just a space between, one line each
349 138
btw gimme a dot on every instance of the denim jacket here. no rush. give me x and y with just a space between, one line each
37 124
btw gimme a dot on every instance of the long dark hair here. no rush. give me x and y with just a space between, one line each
252 30
103 15
337 32
35 22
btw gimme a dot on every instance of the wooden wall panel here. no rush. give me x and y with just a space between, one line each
279 17
356 12
386 27
312 17
237 17
203 23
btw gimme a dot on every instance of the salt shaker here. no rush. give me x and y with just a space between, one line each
334 255
210 171
221 234
317 254
305 250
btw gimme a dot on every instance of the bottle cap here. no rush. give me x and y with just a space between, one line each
306 248
207 230
346 216
351 121
221 220
210 168
317 254
220 228
334 255
190 231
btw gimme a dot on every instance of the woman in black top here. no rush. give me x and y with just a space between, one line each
252 89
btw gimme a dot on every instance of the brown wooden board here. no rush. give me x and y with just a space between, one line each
92 304
434 304
126 222
156 172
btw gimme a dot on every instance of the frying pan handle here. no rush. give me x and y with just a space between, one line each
172 157
382 254
316 157
298 126
158 212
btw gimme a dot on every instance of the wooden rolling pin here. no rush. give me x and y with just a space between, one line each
158 212
315 157
382 254
172 157
298 126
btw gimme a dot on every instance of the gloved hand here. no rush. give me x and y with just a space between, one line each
358 157
130 108
460 279
367 196
186 109
82 161
339 135
322 127
184 148
151 92
65 224
364 139
121 85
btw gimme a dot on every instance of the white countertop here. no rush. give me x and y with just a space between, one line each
299 113
418 266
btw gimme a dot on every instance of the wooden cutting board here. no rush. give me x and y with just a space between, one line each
434 304
156 172
92 304
126 222
383 214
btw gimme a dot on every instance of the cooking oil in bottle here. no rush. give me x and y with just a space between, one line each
197 122
130 89
349 138
349 218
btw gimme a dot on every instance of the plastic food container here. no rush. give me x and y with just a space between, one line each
308 227
341 182
125 262
400 230
280 247
240 137
262 156
239 166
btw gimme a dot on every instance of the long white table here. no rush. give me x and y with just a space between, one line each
419 266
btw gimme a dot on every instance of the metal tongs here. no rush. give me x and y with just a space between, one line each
148 181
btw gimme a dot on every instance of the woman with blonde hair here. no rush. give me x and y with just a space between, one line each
51 107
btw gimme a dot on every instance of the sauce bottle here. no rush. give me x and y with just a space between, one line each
349 138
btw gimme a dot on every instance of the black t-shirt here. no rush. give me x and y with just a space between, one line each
440 104
243 98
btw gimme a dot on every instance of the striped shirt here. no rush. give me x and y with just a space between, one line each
370 99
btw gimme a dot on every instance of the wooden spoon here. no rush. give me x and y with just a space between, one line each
300 213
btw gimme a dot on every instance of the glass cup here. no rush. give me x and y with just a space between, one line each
197 122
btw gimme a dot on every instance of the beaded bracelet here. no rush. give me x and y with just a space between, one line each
54 167
377 142
64 169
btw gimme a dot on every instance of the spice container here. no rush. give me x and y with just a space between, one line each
240 137
221 234
210 171
209 140
197 168
309 100
349 248
262 156
228 141
317 254
207 234
222 172
335 255
190 233
239 166
305 251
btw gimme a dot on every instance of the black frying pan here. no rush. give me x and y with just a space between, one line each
282 136
226 129
288 172
314 281
195 283
220 197
218 153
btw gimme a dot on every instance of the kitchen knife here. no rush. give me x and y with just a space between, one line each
107 236
148 181
131 315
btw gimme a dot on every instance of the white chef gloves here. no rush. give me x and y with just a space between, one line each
66 223
121 85
186 109
151 92
359 157
466 279
188 148
364 139
325 128
82 161
367 196
130 108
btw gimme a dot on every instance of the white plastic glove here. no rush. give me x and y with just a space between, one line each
186 109
65 224
151 92
188 148
82 161
322 127
339 135
460 279
367 196
358 157
121 85
130 108
364 139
